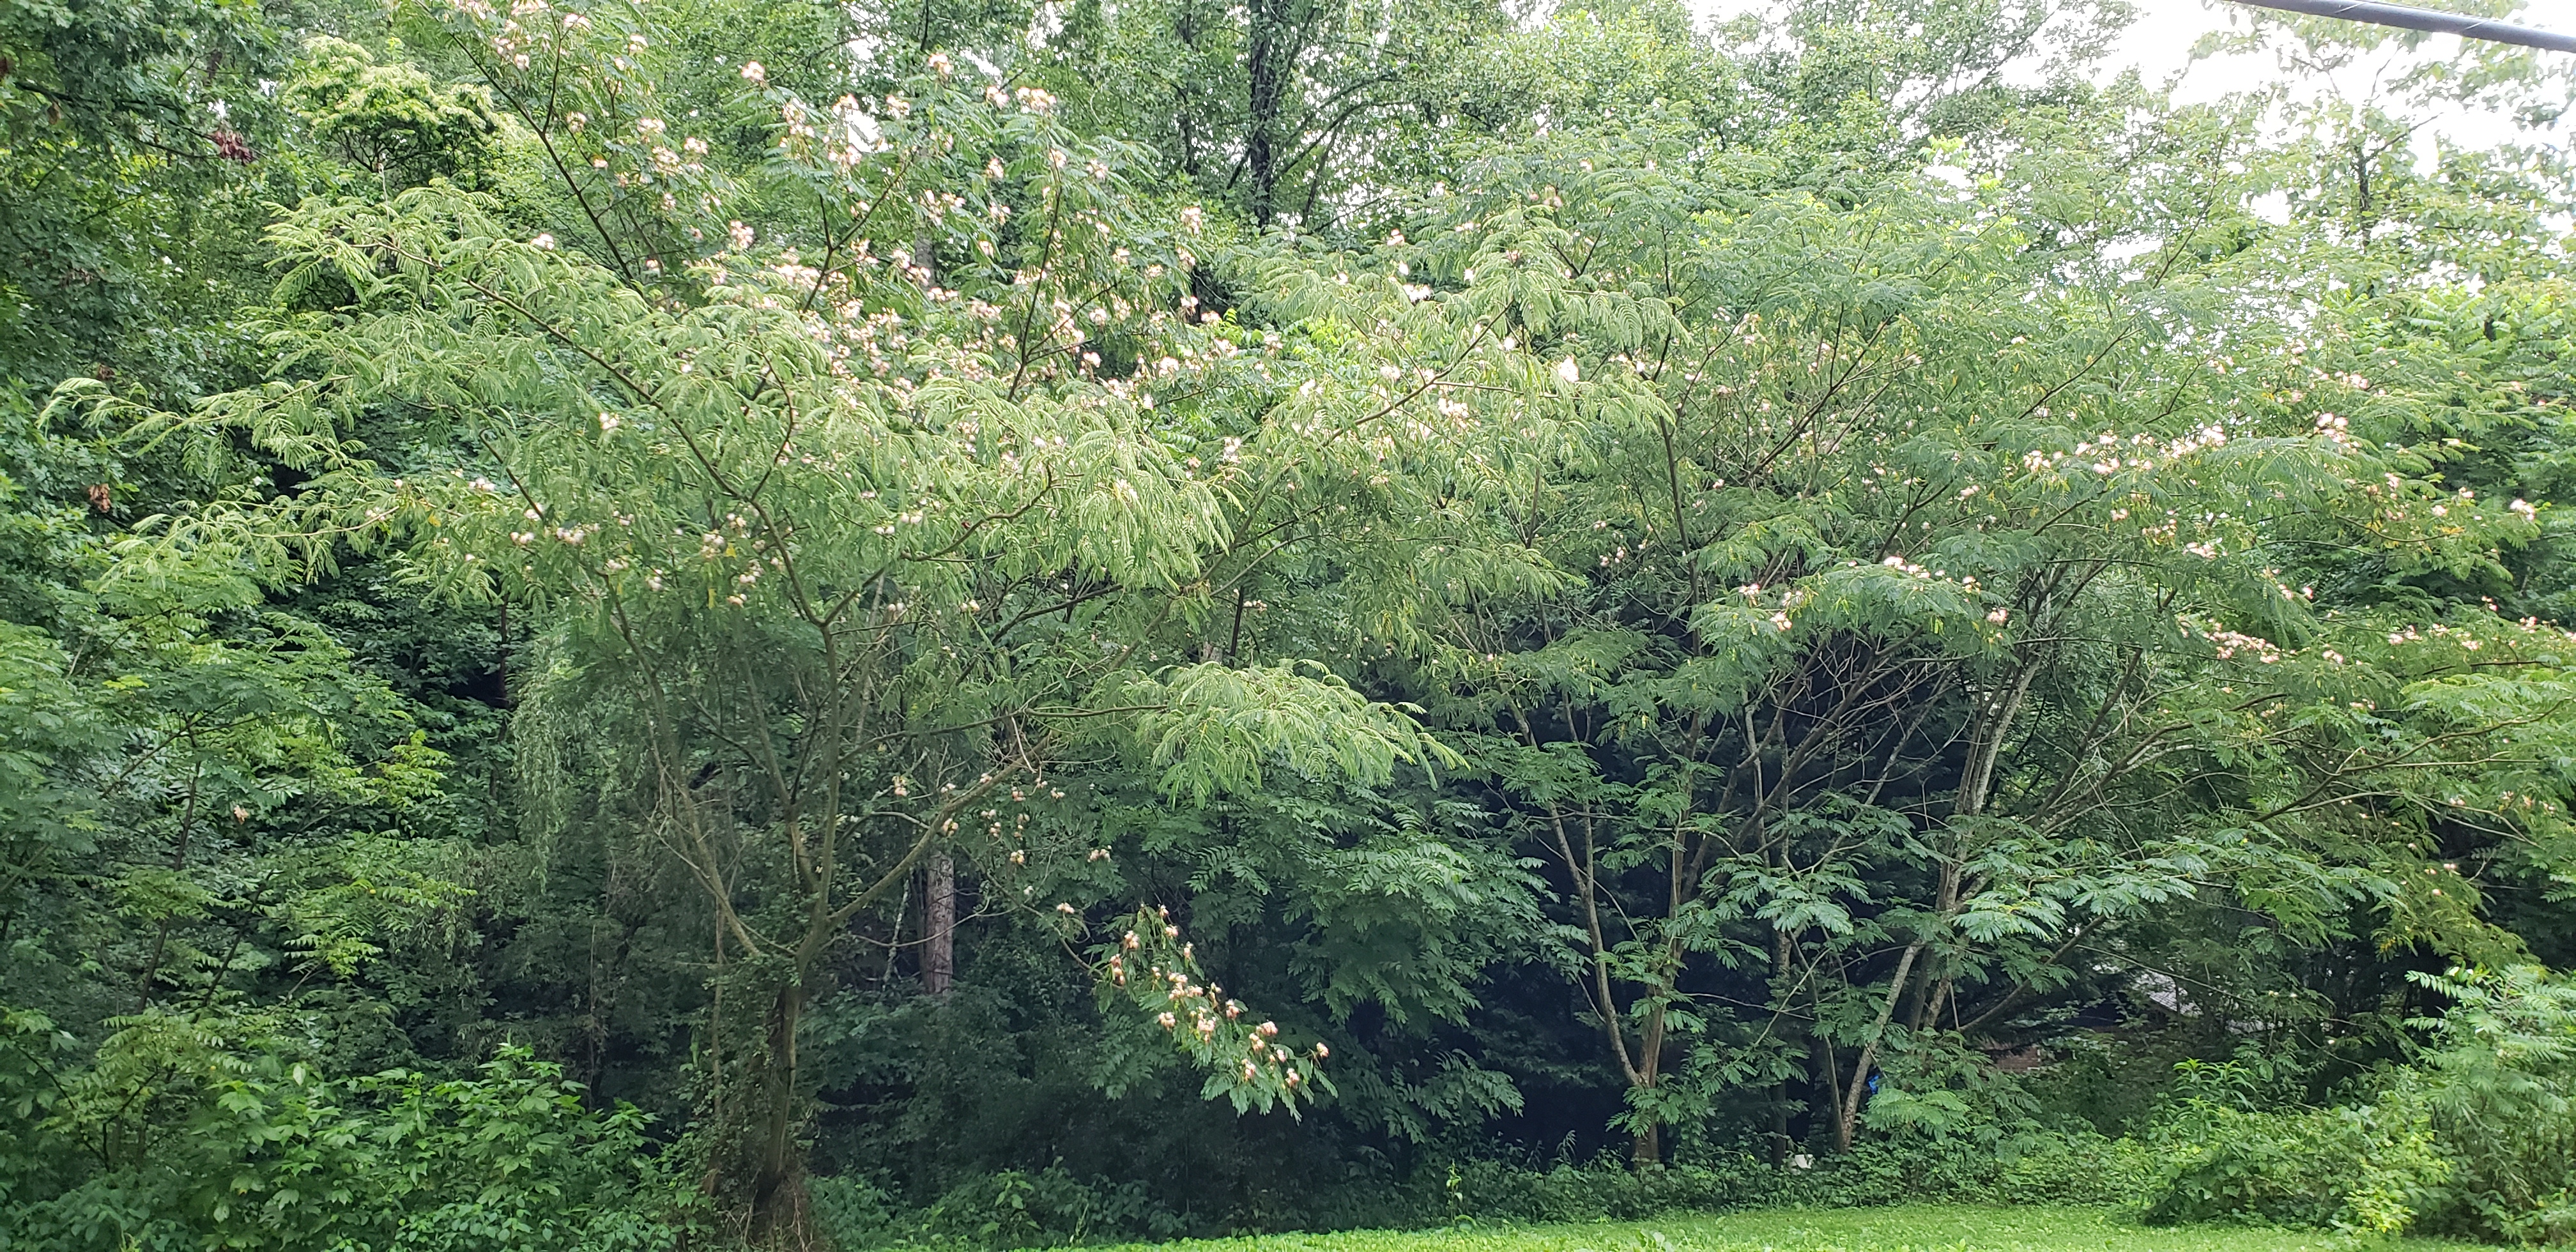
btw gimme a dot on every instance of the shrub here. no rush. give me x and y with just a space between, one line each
1608 1190
2078 1168
178 1134
2024 1166
1051 1207
2366 1168
2501 1084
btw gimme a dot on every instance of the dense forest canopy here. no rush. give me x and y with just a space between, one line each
665 621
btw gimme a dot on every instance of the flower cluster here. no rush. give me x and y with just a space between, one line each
2109 452
1155 971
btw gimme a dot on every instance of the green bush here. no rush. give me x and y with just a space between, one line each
2079 1168
2025 1167
1051 1207
2368 1168
2501 1083
2477 1138
182 1134
1054 1207
1607 1190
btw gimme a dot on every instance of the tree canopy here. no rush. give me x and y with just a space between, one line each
1015 622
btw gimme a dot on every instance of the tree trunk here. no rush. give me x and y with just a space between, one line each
1847 1119
778 1192
1780 992
178 864
1648 1152
1268 63
1186 28
939 927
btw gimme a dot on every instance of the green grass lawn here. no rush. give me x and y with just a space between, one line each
1912 1228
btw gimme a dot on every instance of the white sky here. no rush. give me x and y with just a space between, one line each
2160 44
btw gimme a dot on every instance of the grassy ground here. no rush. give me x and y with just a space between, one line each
1912 1228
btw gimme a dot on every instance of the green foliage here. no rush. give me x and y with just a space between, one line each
130 130
1013 1209
2038 1229
390 120
1152 969
2500 1077
2472 1140
203 1135
2366 1168
2032 1169
1217 727
1816 603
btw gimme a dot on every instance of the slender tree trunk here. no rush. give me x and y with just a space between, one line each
1975 784
178 863
939 927
1827 1080
715 1062
1780 992
1268 65
894 942
1186 110
1926 995
1847 1119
